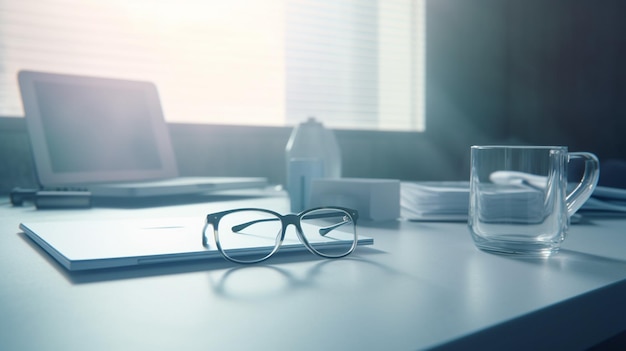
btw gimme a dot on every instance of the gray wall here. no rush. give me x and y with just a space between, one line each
514 71
567 74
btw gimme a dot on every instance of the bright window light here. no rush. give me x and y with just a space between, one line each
351 64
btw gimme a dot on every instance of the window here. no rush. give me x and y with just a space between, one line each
352 64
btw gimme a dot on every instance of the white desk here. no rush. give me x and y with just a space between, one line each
421 285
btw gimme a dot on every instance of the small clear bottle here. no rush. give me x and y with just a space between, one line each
311 140
311 152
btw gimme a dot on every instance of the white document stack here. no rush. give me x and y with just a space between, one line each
434 201
449 201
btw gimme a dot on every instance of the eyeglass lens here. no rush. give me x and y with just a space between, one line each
258 230
330 232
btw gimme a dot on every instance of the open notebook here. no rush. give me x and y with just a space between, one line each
107 136
82 245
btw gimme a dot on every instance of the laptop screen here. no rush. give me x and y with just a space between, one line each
91 130
108 126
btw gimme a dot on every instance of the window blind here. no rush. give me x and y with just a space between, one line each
351 64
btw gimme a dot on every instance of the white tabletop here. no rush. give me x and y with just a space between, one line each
421 285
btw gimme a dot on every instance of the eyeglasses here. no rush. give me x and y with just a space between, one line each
251 235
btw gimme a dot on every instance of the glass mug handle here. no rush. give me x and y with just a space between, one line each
587 184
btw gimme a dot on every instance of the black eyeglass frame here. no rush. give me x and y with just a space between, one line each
213 220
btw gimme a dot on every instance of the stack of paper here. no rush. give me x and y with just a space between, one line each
449 201
434 201
606 200
511 204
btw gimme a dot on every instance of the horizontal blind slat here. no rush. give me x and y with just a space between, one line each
249 62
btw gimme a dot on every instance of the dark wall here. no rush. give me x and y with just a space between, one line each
466 81
567 74
513 71
15 157
549 72
228 150
211 150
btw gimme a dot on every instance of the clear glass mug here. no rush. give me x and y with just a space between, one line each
520 202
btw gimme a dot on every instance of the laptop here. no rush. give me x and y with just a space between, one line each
85 245
106 136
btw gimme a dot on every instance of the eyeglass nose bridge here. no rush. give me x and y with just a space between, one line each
291 219
297 223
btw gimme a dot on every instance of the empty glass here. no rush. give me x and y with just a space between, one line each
519 199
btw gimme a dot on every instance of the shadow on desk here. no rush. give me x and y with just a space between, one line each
277 280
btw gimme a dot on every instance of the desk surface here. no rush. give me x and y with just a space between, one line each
421 285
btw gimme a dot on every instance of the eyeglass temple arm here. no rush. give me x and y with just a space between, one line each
239 227
323 231
326 230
